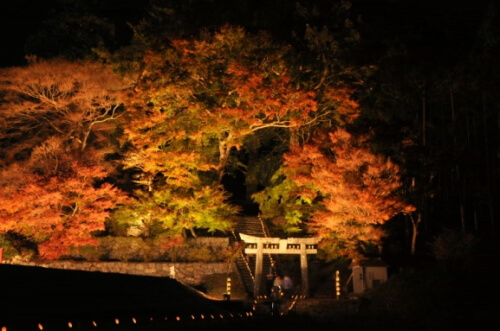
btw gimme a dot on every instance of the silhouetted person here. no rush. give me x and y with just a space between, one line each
277 282
275 301
287 286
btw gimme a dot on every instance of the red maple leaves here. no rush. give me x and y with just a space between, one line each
357 189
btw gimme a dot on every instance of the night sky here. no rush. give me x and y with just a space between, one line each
443 25
19 20
439 37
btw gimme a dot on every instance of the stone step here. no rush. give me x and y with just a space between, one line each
254 227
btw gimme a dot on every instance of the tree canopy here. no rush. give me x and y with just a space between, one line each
336 133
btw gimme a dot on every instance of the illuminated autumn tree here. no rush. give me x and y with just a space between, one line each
57 120
172 197
355 190
196 102
75 101
239 93
57 212
219 90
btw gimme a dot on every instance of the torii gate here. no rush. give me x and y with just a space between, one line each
261 246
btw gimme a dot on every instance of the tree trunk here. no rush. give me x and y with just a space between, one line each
487 166
415 222
223 157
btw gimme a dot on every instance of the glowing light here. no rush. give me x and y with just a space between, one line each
221 316
228 287
133 320
117 321
178 318
337 284
70 325
4 328
94 323
192 317
40 326
202 316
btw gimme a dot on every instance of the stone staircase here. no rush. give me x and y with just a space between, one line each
253 226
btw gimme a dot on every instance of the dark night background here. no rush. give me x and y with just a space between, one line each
423 49
437 29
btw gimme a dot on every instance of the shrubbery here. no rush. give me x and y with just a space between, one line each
138 249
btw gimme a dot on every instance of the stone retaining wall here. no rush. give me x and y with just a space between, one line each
190 273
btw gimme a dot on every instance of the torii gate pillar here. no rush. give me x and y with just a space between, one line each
304 272
258 268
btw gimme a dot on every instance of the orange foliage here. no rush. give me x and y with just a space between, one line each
357 189
219 91
57 112
346 108
58 97
58 212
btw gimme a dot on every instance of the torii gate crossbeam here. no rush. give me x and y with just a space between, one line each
260 246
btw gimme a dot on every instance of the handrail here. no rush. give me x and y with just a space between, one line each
242 255
266 234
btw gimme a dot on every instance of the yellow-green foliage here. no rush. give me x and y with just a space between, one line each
9 251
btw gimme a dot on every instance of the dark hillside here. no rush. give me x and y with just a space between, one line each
39 294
